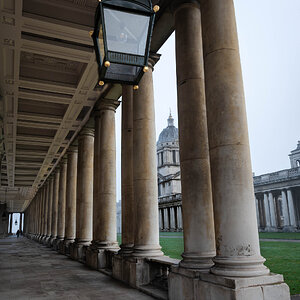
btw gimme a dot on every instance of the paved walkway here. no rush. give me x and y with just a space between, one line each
29 270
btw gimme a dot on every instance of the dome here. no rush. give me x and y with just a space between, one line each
170 133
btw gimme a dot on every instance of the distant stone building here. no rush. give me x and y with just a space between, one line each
119 216
277 194
278 197
168 173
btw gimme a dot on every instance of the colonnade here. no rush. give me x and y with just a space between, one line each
170 218
276 210
218 207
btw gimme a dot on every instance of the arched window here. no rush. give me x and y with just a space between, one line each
298 163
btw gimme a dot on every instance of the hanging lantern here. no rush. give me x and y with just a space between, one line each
122 36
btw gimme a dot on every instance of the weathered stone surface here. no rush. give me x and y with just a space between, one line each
32 271
191 284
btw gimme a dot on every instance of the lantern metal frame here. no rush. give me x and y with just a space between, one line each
140 7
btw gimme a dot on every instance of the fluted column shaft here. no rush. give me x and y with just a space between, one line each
62 200
237 242
197 207
84 198
128 221
70 227
55 203
146 241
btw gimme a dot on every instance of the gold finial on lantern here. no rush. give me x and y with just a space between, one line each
156 8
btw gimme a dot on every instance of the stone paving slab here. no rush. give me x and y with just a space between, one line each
29 270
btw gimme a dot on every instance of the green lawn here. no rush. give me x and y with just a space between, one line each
282 258
280 235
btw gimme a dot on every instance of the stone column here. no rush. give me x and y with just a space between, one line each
61 203
237 242
42 211
179 217
161 225
261 213
291 208
146 242
128 222
199 236
46 197
70 224
50 199
55 205
257 213
21 217
285 211
104 205
84 196
10 223
272 210
172 217
166 219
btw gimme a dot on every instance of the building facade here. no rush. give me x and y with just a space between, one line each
277 194
168 176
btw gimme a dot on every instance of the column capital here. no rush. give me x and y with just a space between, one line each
72 149
63 160
86 131
106 104
178 4
153 59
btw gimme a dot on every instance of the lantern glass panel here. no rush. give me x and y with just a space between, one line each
122 73
100 43
126 32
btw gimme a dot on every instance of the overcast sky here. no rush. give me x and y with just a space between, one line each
270 48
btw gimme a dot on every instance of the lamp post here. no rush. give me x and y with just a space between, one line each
122 36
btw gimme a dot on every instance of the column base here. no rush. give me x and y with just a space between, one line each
66 246
270 229
194 261
96 255
78 251
52 238
239 266
192 284
133 271
289 229
126 250
56 243
45 240
147 251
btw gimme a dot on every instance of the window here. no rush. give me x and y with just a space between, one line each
298 163
174 156
162 158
